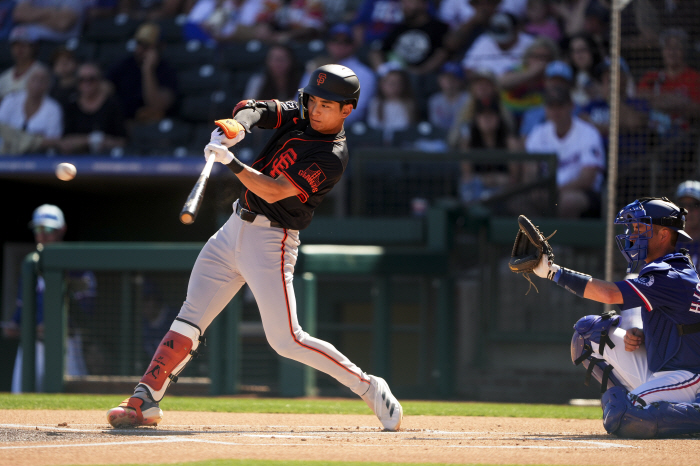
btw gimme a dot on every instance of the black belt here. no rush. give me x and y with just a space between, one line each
248 216
686 329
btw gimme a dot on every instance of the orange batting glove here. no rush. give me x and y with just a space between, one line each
229 133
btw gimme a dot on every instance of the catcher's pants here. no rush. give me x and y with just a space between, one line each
264 258
632 370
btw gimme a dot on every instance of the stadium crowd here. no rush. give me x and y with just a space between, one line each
142 77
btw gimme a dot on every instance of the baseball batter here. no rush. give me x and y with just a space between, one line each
258 245
651 374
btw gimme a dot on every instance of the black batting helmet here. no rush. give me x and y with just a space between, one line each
331 82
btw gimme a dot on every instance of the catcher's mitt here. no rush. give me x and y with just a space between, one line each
529 247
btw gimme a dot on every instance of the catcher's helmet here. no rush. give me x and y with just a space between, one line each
331 82
645 212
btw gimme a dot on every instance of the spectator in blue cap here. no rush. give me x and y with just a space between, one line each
444 105
557 74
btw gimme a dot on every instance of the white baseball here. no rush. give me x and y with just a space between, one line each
65 171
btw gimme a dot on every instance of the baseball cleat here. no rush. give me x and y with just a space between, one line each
135 412
385 405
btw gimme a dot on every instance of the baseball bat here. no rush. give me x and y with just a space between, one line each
194 200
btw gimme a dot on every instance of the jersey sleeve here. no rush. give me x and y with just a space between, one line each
651 291
315 174
266 114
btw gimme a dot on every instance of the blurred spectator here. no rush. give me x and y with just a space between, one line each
416 43
30 120
6 23
24 50
688 196
557 74
280 78
50 20
674 91
145 84
375 19
282 21
483 86
151 10
499 49
539 20
584 57
222 20
444 105
93 123
633 126
48 226
394 106
580 154
523 85
467 19
572 15
341 50
65 83
488 127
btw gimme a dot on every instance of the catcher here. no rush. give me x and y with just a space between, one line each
650 376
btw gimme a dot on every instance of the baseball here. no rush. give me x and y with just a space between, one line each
65 171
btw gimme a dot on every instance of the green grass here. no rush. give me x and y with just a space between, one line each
301 406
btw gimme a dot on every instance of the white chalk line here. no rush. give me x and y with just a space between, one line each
460 436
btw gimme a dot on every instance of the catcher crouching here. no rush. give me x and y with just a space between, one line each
650 376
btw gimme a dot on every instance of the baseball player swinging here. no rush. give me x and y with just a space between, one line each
650 376
258 245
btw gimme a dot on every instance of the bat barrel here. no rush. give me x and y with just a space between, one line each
194 201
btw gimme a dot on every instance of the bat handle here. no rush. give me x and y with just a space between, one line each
211 158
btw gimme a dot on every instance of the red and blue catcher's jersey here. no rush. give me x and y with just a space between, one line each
311 161
668 291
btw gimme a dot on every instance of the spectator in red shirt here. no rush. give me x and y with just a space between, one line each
674 91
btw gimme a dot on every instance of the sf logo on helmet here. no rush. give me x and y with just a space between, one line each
321 78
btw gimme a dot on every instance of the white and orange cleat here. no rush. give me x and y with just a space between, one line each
384 404
135 412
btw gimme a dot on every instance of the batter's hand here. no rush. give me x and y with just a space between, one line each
229 132
634 338
223 155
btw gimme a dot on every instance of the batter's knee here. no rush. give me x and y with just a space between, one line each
286 346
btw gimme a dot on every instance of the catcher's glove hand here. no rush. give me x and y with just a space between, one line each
532 252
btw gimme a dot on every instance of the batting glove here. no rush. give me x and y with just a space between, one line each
546 268
222 153
229 132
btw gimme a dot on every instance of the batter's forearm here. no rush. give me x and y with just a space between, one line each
269 189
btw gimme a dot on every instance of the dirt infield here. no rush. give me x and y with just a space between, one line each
84 437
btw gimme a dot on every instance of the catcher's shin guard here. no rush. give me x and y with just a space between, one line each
596 329
178 346
624 418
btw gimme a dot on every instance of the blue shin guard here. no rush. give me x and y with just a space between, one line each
658 420
595 329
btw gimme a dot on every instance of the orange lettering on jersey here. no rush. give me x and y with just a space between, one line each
283 162
314 176
321 78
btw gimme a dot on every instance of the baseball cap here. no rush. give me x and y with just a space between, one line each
689 188
559 69
47 215
452 68
148 33
23 34
340 29
502 27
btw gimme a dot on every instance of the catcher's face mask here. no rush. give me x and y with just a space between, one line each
638 230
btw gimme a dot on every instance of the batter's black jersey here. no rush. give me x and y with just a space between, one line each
311 161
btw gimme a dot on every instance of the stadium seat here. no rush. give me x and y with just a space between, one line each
206 107
83 50
202 78
110 53
305 51
159 138
188 54
171 28
244 56
112 29
360 135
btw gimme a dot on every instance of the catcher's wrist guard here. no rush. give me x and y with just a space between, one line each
573 281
